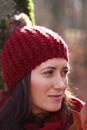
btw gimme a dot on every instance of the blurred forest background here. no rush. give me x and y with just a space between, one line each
69 19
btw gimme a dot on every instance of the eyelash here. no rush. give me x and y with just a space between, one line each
64 73
50 73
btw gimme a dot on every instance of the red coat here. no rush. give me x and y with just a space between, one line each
60 120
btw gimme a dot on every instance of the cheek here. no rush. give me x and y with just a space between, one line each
37 93
38 87
66 82
37 84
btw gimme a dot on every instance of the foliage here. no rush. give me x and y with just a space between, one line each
8 23
2 32
27 7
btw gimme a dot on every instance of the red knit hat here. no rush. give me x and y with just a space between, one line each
27 48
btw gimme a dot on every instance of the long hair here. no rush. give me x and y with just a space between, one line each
16 110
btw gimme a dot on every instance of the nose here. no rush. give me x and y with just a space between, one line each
60 82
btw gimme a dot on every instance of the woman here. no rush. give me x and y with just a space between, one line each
35 64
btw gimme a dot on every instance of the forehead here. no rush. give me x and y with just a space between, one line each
56 62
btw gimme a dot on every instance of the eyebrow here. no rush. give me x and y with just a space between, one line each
50 67
67 67
54 68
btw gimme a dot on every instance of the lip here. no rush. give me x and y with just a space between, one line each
55 97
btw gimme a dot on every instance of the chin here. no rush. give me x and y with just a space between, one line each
55 108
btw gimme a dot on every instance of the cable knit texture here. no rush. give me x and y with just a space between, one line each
27 48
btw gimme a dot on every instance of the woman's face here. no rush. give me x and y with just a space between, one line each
48 83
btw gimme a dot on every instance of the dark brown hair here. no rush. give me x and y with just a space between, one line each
16 110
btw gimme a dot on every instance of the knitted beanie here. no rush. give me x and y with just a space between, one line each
27 48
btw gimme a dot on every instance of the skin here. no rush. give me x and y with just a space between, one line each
49 81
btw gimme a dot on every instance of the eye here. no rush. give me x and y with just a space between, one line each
48 73
64 73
